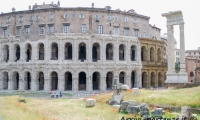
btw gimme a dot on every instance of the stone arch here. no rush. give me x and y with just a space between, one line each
28 49
133 76
41 51
82 81
68 81
96 81
160 81
5 80
68 51
133 53
95 52
109 51
54 51
152 53
5 53
191 74
109 79
143 53
82 51
27 80
122 49
153 80
122 77
16 52
15 81
54 81
41 81
144 80
159 55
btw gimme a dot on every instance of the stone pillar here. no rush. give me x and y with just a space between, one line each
156 79
1 80
1 53
22 52
34 52
34 81
10 52
148 79
10 80
89 51
74 83
60 51
46 50
103 51
88 83
75 53
116 52
182 48
47 82
128 78
22 81
138 78
61 83
170 42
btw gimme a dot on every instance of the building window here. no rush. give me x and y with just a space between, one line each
134 20
144 26
96 17
37 17
81 15
19 31
31 18
116 30
108 17
27 30
20 18
100 29
116 18
51 29
126 31
136 32
73 16
8 19
84 29
65 15
144 34
66 28
126 19
5 31
42 29
51 16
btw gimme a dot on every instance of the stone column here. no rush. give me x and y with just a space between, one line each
88 83
34 53
116 51
170 42
34 81
61 83
89 51
138 78
10 52
22 52
156 79
128 78
22 81
103 51
46 50
148 79
74 83
10 80
1 53
182 48
47 82
1 80
60 51
74 51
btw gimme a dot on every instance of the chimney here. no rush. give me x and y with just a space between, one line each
13 9
52 2
58 3
43 3
29 7
35 3
92 5
198 48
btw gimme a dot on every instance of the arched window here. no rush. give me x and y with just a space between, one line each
95 52
121 52
159 57
41 51
16 52
191 74
28 52
82 51
109 52
54 81
143 53
82 81
6 53
68 51
133 53
152 54
54 51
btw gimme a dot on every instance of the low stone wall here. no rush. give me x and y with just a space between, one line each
180 85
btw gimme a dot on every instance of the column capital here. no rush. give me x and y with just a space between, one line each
170 28
181 25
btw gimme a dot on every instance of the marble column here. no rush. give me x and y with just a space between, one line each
182 48
1 80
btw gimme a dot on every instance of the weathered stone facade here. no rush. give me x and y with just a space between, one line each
53 48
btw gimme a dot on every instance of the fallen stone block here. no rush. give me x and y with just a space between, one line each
90 102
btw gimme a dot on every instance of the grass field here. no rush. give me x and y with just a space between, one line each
75 109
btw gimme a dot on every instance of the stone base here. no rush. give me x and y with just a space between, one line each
180 85
180 77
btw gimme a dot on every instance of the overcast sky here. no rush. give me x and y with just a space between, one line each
151 8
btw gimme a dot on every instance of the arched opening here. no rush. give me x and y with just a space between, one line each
109 78
160 81
109 52
54 81
121 77
82 81
68 51
165 77
6 53
28 52
5 80
152 54
153 80
95 52
41 81
54 51
82 51
191 74
133 53
121 52
16 52
144 80
27 81
143 53
41 51
133 79
15 80
159 57
68 81
96 81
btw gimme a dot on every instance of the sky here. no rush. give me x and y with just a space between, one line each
151 8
